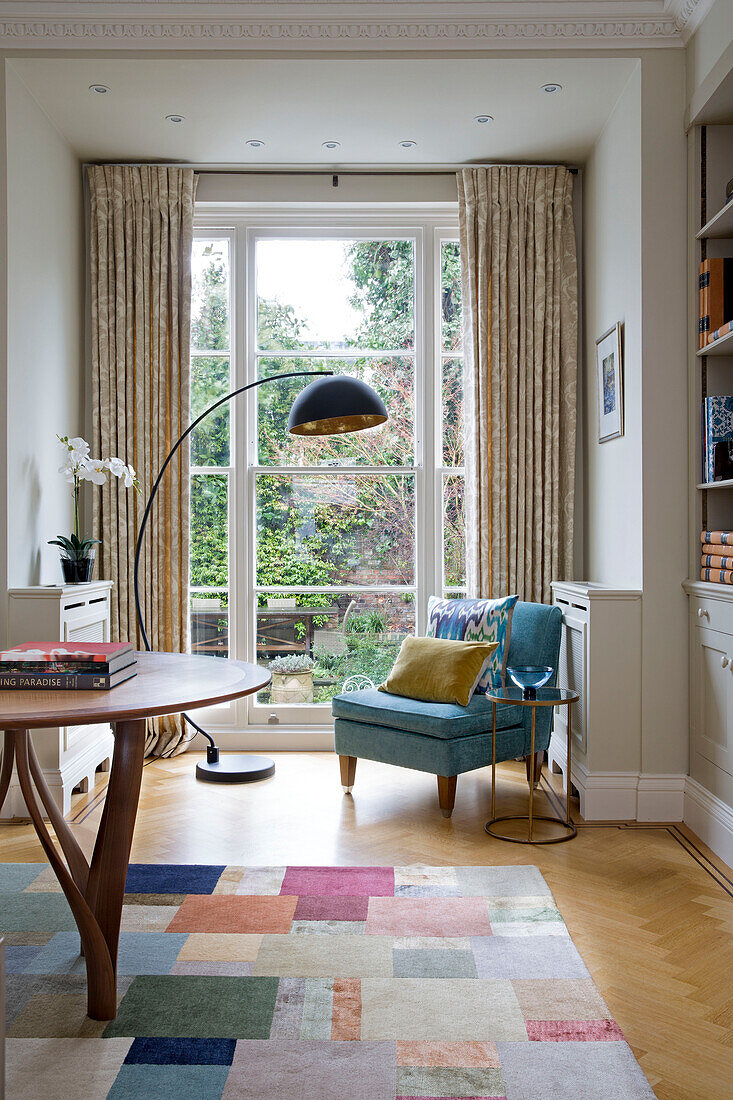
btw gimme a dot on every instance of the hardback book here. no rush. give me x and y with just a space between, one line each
104 657
718 427
717 549
719 576
716 296
63 681
715 561
717 538
722 331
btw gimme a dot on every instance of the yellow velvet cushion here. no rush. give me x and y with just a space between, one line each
438 670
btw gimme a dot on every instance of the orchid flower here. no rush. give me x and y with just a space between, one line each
78 466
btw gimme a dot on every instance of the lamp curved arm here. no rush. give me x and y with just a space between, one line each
164 467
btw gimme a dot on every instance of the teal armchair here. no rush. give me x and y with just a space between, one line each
445 739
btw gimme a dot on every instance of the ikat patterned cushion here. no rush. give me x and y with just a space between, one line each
476 621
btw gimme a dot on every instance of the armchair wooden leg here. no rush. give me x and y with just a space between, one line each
447 793
539 759
348 772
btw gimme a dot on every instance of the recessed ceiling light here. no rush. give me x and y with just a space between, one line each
331 144
483 118
551 89
100 89
176 119
255 143
408 144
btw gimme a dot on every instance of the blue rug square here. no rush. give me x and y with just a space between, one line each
169 1082
19 958
138 953
14 877
181 1052
172 878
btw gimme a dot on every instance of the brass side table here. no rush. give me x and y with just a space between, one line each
543 697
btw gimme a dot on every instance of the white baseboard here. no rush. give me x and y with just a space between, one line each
622 796
661 797
268 739
710 819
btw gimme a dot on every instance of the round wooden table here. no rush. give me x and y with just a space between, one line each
166 683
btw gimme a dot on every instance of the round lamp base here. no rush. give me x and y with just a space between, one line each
236 768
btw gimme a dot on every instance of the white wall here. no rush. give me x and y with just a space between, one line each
709 53
635 493
665 715
45 342
612 508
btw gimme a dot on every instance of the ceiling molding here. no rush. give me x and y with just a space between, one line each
409 24
689 14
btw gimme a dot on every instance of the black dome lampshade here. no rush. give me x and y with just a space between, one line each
335 405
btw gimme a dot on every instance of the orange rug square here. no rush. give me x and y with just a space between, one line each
234 913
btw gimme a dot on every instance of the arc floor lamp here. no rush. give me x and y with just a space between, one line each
332 405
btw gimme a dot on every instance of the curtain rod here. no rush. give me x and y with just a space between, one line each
450 170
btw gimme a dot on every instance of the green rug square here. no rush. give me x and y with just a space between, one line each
197 1007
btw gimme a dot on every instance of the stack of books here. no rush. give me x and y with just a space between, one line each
66 666
717 427
716 298
717 556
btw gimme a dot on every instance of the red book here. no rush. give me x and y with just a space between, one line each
112 655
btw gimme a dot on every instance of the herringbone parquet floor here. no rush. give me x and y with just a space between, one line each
649 908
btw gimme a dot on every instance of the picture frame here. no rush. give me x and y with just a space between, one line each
609 368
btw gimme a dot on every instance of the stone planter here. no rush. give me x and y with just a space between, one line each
292 687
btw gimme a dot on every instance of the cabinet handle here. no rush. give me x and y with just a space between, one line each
703 613
724 662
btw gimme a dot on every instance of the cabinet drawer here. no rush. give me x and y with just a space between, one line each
712 614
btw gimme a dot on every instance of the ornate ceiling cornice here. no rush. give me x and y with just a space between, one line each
355 25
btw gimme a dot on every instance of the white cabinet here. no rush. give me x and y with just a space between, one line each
711 683
69 756
600 658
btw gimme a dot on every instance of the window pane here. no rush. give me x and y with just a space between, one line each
335 529
454 532
450 295
452 398
390 444
209 530
344 634
210 295
210 623
209 382
335 294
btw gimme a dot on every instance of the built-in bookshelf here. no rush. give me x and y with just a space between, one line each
712 366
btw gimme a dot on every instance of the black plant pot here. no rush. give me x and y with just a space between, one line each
78 570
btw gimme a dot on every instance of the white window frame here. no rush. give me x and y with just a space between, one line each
244 224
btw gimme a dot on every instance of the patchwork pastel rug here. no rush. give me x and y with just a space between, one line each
312 983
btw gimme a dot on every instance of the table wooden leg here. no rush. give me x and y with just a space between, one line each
108 868
6 772
94 892
101 996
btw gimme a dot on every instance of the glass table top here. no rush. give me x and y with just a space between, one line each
545 696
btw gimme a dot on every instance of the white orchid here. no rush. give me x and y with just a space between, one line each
116 466
94 470
78 466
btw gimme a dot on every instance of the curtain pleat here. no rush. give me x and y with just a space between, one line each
520 319
141 234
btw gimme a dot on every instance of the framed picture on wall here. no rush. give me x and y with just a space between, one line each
610 384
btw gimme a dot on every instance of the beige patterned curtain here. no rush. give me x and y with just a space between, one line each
520 320
141 232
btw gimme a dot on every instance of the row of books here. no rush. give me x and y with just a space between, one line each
716 562
717 427
72 666
715 283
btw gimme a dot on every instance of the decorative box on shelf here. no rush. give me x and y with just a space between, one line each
75 612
